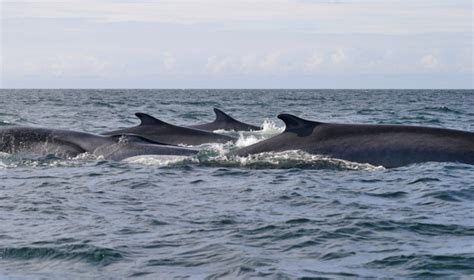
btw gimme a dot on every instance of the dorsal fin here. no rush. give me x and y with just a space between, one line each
149 120
293 122
223 117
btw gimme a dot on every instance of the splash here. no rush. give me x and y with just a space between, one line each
3 157
7 161
31 160
158 160
286 160
247 140
87 156
269 129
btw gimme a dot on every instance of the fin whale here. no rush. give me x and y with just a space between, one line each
160 131
386 145
225 122
65 144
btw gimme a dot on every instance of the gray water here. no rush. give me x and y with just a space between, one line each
279 216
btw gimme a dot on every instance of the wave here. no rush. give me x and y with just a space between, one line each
428 266
31 160
426 229
78 252
286 160
6 123
443 109
158 160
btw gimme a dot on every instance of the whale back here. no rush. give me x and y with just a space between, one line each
164 133
62 143
386 145
65 143
225 122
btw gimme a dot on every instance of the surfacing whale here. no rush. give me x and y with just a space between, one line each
160 131
225 122
67 144
386 145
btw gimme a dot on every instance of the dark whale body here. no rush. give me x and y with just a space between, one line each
225 122
66 144
386 145
160 131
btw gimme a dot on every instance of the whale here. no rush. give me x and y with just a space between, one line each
389 146
157 130
225 122
68 144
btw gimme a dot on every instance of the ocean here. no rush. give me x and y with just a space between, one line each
276 216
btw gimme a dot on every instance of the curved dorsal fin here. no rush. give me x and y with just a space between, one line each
149 120
223 117
293 122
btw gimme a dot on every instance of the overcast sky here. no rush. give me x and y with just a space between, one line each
237 44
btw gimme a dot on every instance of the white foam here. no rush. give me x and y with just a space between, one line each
271 128
156 160
88 156
295 158
3 165
223 131
218 148
247 140
4 161
267 127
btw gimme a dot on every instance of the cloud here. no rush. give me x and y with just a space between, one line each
60 65
169 61
220 65
338 57
314 61
270 62
429 61
248 63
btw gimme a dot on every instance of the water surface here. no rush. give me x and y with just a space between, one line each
285 215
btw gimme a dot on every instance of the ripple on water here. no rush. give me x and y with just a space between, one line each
442 109
416 227
426 266
452 195
424 180
397 194
286 160
98 256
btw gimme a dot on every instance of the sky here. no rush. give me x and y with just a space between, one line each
236 44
